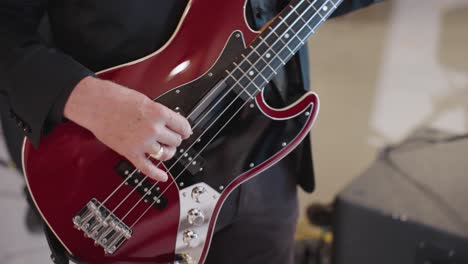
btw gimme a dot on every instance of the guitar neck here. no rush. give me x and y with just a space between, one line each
278 42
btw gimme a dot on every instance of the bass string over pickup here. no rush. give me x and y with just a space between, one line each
152 194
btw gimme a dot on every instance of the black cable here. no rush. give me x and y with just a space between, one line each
436 198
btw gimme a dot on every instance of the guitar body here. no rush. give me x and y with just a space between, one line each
71 167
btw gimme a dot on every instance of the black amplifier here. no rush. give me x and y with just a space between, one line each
409 207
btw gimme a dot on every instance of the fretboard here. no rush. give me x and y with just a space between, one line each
277 43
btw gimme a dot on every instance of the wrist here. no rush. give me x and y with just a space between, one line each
82 106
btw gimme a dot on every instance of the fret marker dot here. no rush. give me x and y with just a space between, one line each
268 55
325 8
251 73
286 35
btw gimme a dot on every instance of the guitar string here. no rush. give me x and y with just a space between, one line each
131 174
159 163
295 35
149 207
157 200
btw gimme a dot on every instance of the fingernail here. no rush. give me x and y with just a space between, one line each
164 177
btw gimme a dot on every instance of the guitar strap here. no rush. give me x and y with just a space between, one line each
58 253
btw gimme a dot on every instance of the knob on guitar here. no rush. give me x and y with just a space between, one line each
190 238
200 195
195 217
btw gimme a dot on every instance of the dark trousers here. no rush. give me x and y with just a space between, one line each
262 228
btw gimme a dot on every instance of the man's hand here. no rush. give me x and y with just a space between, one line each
128 122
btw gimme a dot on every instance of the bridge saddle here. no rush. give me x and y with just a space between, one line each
99 224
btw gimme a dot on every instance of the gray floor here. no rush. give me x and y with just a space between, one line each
380 72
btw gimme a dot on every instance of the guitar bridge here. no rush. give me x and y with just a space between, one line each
99 224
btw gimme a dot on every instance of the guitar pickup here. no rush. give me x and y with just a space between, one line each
189 160
134 178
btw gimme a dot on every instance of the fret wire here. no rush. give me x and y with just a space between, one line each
318 12
266 62
271 48
303 20
236 82
331 10
246 75
279 37
295 34
306 24
297 5
253 65
286 23
313 31
300 45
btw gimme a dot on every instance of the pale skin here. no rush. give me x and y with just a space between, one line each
128 122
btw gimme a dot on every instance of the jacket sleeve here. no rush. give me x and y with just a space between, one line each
348 6
37 80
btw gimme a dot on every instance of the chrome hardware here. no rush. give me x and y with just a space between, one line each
99 224
190 238
195 217
199 194
183 258
197 203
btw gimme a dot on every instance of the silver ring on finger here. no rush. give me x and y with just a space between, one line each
158 154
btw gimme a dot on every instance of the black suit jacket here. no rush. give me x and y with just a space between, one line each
38 71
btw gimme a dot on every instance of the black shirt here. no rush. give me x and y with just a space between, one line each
87 36
38 73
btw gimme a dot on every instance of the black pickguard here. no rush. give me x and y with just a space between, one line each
247 140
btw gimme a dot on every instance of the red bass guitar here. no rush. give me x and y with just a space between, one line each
213 71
